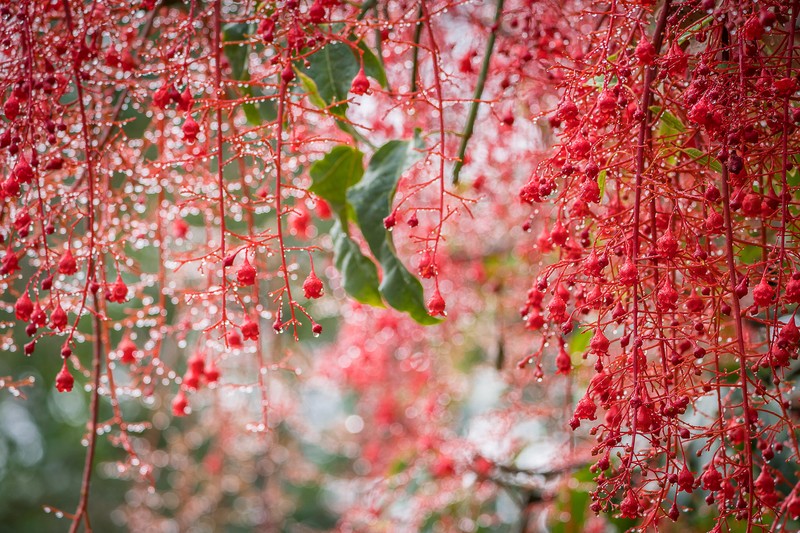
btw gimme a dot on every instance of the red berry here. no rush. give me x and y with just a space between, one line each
58 318
360 83
179 404
312 286
67 264
23 308
190 130
250 329
436 304
246 275
118 292
127 350
64 380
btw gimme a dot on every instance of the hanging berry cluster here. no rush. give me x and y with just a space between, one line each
674 187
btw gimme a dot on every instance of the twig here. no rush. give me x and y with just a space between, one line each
476 97
415 52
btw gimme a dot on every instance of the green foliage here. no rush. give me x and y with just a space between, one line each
236 53
372 201
329 75
359 273
366 199
334 174
670 124
703 159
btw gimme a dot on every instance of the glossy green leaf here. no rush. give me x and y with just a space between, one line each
340 169
671 123
402 290
703 159
371 200
332 70
359 273
373 65
372 197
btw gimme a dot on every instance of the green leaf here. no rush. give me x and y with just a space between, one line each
579 341
373 65
402 290
669 120
372 197
340 169
236 54
260 111
332 70
311 88
749 254
359 273
703 159
692 30
601 182
371 200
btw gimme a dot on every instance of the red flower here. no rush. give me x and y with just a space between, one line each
599 343
67 264
246 275
645 52
190 130
250 330
64 380
312 286
127 348
58 318
23 171
24 307
360 83
233 339
436 305
179 404
686 480
563 362
118 292
630 505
